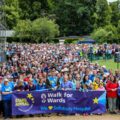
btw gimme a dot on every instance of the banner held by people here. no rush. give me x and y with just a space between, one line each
67 102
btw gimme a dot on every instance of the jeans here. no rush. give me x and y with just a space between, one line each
112 104
7 108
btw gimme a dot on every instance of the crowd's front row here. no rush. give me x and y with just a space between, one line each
58 81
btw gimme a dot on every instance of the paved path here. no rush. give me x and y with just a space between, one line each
80 117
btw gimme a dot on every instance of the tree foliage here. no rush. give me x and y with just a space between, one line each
107 34
44 29
74 17
39 30
33 9
103 13
23 29
118 30
11 9
99 35
115 17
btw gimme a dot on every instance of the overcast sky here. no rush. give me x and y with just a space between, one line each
111 0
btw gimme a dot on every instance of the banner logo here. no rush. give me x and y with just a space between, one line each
25 104
43 98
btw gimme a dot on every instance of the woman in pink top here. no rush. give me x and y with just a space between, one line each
101 87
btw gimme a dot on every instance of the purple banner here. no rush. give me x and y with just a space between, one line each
38 102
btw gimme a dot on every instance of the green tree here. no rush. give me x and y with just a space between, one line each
118 27
74 17
103 13
118 30
44 29
38 20
111 36
33 9
99 35
23 29
115 6
106 34
30 9
11 9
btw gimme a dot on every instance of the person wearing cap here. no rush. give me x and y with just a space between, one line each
104 69
6 95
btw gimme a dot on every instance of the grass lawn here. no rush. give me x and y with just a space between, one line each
110 64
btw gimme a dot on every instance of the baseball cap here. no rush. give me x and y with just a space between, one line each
6 80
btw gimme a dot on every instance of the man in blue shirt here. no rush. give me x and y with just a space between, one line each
53 81
35 81
66 84
6 95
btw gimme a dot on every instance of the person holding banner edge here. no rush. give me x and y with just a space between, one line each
6 95
112 94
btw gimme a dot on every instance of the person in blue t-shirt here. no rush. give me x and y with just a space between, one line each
35 81
6 95
66 84
41 85
12 83
53 81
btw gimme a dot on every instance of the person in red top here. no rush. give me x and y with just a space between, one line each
111 88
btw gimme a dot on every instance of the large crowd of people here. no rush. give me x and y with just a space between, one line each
30 67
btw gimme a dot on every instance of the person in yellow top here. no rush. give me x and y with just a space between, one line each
96 83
